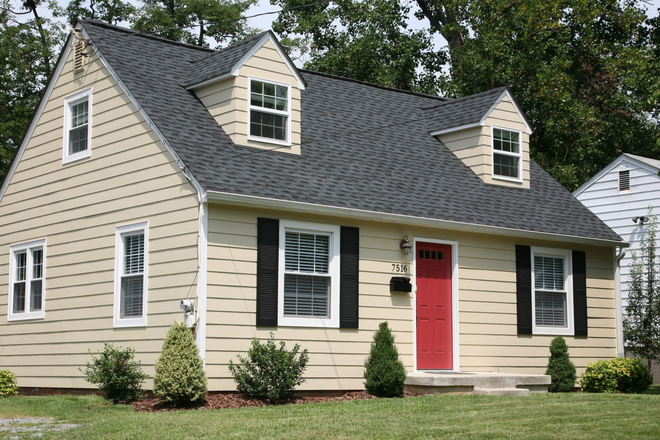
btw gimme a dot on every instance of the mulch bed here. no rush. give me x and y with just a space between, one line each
235 400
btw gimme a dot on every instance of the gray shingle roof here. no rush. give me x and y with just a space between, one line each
461 111
220 62
363 147
653 162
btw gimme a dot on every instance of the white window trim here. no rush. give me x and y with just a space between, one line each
568 283
39 314
287 113
119 255
506 153
333 269
69 101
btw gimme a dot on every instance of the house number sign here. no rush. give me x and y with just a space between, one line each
400 268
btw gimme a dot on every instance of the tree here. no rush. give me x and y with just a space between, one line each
192 21
26 50
641 323
584 72
365 40
110 11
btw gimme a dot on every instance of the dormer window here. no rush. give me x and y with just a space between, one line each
507 154
269 112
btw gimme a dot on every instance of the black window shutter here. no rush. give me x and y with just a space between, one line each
268 246
524 289
349 277
580 292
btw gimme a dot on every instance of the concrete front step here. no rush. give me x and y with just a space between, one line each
502 391
449 382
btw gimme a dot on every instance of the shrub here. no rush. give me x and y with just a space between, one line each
269 372
116 373
180 379
384 372
620 374
560 368
8 386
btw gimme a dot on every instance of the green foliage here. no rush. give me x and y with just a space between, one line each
560 367
192 21
180 378
269 372
364 40
110 11
621 374
8 385
116 373
384 372
641 323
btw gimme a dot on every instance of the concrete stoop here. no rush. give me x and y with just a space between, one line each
499 384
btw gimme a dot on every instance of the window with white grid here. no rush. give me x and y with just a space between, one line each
552 297
77 126
309 271
507 154
26 290
269 111
131 275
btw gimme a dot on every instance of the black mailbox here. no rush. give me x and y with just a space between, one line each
400 284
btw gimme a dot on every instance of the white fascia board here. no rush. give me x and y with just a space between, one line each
37 115
146 117
311 208
528 128
453 129
601 173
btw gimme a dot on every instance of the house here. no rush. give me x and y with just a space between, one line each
287 201
620 195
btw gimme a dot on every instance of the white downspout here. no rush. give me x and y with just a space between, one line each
618 301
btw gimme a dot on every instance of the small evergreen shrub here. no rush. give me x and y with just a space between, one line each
269 372
180 379
8 385
384 372
621 374
560 368
116 373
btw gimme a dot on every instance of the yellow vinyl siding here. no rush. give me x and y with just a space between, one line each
487 303
227 100
130 177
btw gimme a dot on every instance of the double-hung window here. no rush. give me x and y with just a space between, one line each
270 111
507 154
27 275
552 298
309 274
131 262
77 126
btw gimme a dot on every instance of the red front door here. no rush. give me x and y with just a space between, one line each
434 326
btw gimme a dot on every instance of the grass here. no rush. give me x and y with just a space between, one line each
540 416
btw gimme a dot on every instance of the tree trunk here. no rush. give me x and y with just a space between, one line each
32 6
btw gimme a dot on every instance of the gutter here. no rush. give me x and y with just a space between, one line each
311 208
618 302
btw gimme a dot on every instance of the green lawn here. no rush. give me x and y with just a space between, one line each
541 416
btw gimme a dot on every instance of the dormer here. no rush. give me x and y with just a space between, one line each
252 89
488 132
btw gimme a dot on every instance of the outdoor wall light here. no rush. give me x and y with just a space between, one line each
405 245
642 219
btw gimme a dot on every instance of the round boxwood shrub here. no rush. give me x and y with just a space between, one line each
560 368
116 373
180 379
621 374
269 372
384 372
8 385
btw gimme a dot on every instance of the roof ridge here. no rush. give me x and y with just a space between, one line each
466 97
103 24
408 92
231 46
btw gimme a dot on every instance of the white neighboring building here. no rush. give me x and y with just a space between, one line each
620 193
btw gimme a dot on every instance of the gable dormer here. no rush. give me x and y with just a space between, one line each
252 89
489 133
